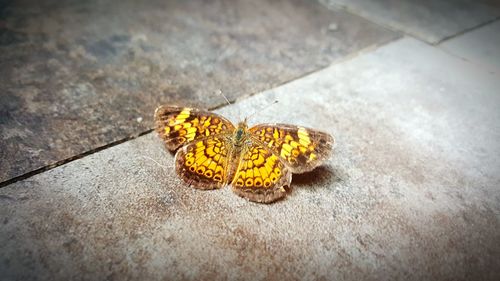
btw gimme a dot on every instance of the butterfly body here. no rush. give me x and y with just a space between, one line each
240 134
257 162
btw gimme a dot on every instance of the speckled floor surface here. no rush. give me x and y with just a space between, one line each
412 191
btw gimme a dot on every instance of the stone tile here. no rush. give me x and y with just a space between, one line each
428 20
411 192
77 75
481 46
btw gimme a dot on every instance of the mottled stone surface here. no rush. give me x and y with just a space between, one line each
76 75
410 194
480 46
429 20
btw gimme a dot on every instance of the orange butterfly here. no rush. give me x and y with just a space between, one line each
258 162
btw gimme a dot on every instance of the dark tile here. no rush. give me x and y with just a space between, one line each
80 74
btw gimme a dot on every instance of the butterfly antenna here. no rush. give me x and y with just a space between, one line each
154 161
261 109
224 96
228 102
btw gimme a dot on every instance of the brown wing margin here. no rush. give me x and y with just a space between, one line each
301 149
180 125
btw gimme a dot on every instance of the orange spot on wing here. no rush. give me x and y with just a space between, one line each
249 182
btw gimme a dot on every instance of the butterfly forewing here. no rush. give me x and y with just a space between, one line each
302 149
180 125
261 175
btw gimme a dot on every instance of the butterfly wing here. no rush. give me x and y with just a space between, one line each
203 163
261 175
180 125
301 149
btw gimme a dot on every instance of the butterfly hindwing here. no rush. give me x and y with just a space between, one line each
302 149
178 126
261 175
203 163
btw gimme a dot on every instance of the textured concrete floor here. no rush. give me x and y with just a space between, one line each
412 191
479 46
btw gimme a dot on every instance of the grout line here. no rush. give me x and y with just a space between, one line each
467 30
232 102
70 159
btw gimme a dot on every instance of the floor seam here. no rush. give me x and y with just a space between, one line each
70 159
468 30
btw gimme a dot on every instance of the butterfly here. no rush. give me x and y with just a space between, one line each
257 162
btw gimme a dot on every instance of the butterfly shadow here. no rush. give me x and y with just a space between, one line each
322 176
